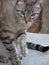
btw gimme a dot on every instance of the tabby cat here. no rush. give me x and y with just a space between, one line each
16 16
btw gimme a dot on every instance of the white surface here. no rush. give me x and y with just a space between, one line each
38 38
35 57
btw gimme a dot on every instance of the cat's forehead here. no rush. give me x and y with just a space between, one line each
23 4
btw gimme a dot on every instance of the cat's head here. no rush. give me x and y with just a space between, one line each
28 10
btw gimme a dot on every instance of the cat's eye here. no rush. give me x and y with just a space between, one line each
34 15
22 12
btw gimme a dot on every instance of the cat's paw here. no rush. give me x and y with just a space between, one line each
20 57
16 62
3 59
19 62
24 52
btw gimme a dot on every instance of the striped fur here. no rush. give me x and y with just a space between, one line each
37 47
15 18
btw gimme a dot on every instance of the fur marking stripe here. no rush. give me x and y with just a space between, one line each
10 49
19 34
4 42
37 47
4 38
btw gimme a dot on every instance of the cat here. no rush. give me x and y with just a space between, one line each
16 16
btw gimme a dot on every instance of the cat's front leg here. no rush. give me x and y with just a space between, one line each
11 48
23 45
8 41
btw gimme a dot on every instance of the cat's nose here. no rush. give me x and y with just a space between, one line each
27 18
